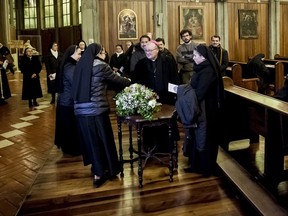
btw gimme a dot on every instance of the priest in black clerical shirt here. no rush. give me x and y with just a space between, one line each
156 71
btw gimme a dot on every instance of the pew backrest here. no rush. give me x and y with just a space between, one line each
237 76
276 68
263 100
279 57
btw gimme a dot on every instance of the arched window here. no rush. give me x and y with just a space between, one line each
66 12
30 14
49 14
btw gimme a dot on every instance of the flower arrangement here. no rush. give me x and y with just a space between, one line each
137 99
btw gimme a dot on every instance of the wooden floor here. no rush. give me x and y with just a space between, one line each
36 179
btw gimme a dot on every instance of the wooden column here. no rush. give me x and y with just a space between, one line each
274 30
4 23
160 20
222 23
90 21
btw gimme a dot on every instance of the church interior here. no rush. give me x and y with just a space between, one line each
36 178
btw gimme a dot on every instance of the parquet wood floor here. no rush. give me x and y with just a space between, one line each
36 179
22 159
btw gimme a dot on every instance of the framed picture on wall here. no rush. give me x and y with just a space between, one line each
248 24
192 18
127 25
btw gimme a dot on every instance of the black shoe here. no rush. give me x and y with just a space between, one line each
189 170
35 104
98 182
111 177
192 170
52 101
2 102
30 104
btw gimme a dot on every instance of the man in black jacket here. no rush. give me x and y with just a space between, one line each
52 62
220 53
155 71
5 52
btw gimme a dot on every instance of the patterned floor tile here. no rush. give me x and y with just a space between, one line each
30 117
5 143
34 112
44 102
42 107
239 144
21 125
11 133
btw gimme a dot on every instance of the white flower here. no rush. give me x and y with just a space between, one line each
137 99
152 103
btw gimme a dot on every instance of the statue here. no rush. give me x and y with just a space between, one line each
27 44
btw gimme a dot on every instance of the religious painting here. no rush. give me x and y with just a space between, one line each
248 24
192 18
127 25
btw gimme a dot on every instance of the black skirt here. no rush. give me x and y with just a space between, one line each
66 135
98 145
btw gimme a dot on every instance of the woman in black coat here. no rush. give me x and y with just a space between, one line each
4 85
30 68
52 62
66 136
117 60
89 90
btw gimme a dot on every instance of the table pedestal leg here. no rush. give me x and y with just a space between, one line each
120 148
140 168
171 155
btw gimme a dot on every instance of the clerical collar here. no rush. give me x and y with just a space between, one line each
54 53
119 53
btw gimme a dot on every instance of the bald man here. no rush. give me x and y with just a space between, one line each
156 71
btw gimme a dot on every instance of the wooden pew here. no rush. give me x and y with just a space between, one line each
235 71
279 68
258 197
276 68
249 114
279 57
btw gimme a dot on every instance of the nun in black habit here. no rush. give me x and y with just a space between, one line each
92 75
256 68
30 67
66 129
4 84
208 85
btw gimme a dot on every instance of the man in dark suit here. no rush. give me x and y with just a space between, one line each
155 71
220 53
52 61
5 52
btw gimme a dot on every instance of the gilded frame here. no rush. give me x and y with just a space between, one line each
192 18
127 25
248 24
